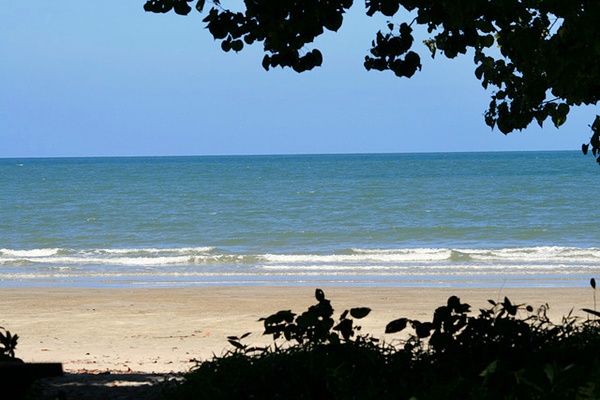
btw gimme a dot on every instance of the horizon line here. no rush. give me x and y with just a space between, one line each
281 154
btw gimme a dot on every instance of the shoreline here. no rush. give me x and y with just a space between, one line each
162 330
438 280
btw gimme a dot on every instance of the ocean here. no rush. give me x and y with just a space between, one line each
514 219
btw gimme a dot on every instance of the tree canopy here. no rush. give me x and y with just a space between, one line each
539 57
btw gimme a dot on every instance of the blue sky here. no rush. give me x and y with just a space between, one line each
106 78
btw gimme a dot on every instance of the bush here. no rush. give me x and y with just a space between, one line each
495 355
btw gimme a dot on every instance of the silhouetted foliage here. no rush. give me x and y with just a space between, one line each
8 343
595 143
508 351
316 325
541 57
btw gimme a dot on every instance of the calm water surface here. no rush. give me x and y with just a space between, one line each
430 220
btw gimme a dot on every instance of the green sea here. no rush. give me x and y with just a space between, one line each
515 219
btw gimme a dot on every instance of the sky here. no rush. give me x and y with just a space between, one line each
108 79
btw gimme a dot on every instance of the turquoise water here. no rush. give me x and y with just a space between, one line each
451 220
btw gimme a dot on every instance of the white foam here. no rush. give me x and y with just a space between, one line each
551 254
200 260
182 250
401 255
120 261
30 253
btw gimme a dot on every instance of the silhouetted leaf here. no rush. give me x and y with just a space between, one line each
487 41
236 344
333 22
226 45
318 57
266 62
360 312
593 312
596 124
389 7
181 7
256 349
396 325
279 317
237 45
595 140
453 302
510 308
345 328
423 330
307 319
584 148
593 283
320 296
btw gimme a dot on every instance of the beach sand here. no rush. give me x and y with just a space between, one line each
163 330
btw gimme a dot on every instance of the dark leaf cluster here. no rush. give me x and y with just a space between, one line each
8 343
180 7
541 58
545 59
391 51
316 325
507 351
283 27
595 145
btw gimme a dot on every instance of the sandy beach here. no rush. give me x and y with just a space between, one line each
163 330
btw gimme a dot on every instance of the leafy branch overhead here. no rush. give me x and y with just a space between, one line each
540 57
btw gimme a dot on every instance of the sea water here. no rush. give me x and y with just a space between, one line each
524 219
